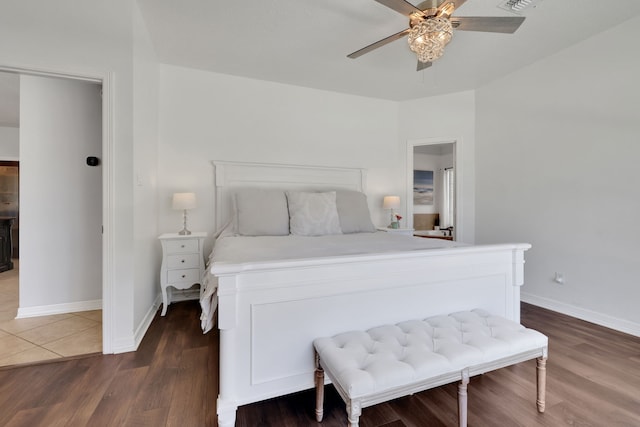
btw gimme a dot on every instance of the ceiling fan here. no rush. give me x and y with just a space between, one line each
431 26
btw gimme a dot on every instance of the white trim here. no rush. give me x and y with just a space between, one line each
30 71
144 325
457 164
601 319
131 343
108 227
69 307
108 184
124 344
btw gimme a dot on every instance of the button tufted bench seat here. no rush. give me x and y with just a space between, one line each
386 362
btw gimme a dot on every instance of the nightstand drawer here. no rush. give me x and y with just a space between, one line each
182 245
191 275
183 261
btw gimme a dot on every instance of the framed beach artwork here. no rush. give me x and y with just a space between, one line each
422 187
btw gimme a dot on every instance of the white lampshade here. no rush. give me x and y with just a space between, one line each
391 202
184 201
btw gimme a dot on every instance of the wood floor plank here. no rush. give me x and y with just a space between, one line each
188 403
33 417
151 417
114 406
157 390
94 384
414 411
374 416
593 379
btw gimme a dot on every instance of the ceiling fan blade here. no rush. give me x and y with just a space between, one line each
423 65
378 44
491 24
400 6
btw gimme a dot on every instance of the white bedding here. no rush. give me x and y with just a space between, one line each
233 250
237 250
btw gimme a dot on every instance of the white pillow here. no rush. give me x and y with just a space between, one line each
261 212
353 212
313 214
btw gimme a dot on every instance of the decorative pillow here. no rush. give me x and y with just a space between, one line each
353 212
261 212
313 214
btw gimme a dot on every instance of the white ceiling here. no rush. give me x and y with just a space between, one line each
306 42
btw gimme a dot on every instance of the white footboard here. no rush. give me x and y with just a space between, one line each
270 312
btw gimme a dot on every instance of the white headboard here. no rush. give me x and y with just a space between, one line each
232 175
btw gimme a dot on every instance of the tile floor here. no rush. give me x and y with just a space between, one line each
42 338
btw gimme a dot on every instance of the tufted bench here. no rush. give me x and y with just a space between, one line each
386 362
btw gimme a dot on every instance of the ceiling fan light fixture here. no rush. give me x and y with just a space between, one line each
428 38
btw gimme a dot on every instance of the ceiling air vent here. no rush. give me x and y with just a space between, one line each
518 6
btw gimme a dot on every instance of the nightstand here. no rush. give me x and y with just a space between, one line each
182 263
404 231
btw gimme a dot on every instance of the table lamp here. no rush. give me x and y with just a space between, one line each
184 202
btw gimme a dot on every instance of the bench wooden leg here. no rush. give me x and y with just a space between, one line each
462 399
354 409
319 390
541 371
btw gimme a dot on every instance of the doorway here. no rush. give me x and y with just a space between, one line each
9 212
65 208
433 189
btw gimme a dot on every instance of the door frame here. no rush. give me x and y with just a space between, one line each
108 186
458 230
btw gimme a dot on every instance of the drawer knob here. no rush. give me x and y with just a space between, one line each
182 246
184 275
182 261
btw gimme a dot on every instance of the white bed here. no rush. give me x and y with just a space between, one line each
270 307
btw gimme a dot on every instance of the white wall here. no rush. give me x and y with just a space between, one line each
9 143
94 39
238 119
145 154
446 118
557 153
60 195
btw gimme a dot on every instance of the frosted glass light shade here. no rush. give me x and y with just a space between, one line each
183 201
391 202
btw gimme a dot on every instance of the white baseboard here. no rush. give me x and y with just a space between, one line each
123 345
47 310
605 320
146 322
132 342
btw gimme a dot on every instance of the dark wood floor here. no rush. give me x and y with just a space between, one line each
593 380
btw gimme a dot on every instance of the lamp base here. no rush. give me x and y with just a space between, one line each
184 231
